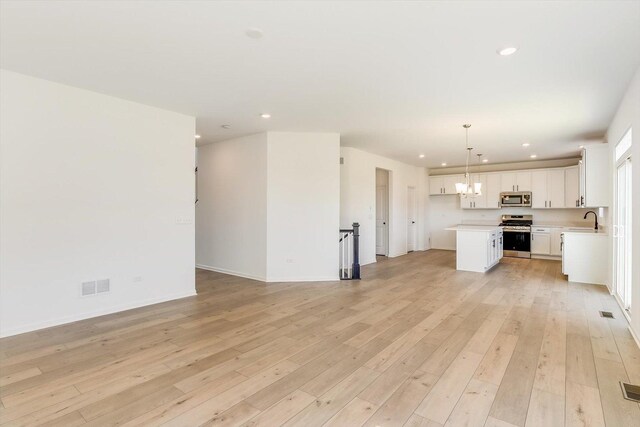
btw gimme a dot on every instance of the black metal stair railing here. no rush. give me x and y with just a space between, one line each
349 260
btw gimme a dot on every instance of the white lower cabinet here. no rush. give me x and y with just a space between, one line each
540 243
556 241
546 241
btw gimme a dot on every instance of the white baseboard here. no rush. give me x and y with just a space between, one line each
635 337
304 279
626 316
231 272
88 315
269 279
367 262
547 257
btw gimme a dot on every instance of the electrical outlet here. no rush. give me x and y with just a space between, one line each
137 279
290 261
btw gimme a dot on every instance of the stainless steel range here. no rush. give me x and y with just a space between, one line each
517 235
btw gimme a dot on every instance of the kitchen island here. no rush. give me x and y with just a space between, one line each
478 247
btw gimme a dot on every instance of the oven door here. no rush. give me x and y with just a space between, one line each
517 243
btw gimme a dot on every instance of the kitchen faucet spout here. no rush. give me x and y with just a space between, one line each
595 216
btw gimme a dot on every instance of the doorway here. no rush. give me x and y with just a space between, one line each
382 212
412 208
622 223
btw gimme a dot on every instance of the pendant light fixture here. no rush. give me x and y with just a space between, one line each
467 188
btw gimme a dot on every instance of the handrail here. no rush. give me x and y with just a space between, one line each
349 253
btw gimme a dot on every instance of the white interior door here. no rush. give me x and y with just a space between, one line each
382 219
411 219
622 233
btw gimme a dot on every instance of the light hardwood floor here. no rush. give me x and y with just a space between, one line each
415 343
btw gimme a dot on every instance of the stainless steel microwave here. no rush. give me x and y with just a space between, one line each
520 198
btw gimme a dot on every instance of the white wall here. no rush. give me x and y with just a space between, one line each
92 187
628 115
231 213
303 206
445 211
269 205
358 198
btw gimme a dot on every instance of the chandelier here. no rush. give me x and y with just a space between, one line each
467 188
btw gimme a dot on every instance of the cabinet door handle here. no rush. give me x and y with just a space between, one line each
545 203
549 203
517 187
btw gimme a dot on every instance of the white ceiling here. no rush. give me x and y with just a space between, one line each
394 78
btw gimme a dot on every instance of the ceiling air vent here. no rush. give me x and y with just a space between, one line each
607 314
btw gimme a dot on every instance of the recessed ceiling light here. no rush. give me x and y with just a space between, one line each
254 33
197 136
533 156
507 51
443 164
582 146
485 160
421 156
265 115
526 144
225 126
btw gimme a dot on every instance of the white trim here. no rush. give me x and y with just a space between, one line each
370 261
88 315
547 257
269 279
635 337
231 272
304 279
626 316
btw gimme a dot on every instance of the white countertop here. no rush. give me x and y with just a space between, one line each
468 227
585 231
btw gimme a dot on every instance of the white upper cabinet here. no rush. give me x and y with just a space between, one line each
478 202
547 188
508 182
523 181
436 185
572 187
444 184
555 188
450 183
515 181
595 169
539 198
492 191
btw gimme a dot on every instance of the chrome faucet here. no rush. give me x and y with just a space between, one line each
595 215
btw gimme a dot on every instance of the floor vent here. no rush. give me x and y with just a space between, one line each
607 314
630 391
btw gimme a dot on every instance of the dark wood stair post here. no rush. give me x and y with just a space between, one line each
356 251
